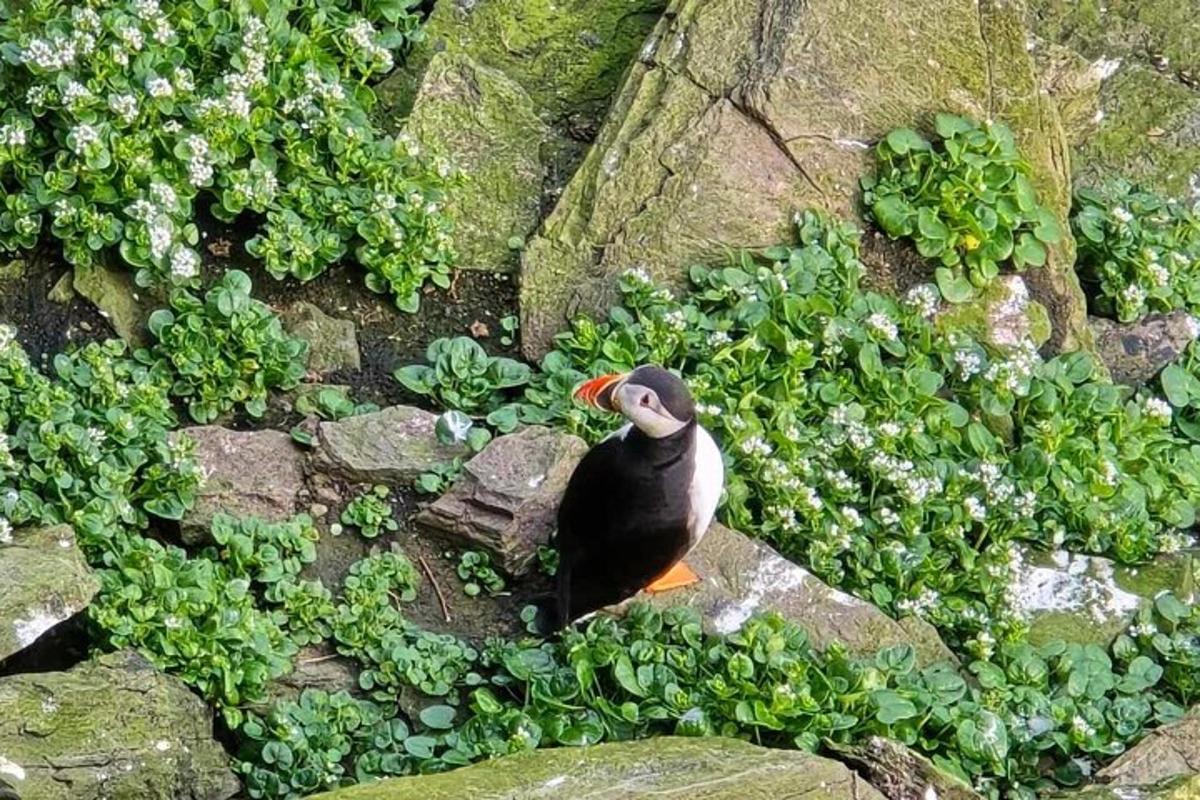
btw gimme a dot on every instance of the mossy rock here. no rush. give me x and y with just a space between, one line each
1184 788
568 55
736 116
1130 89
669 768
119 300
1003 316
44 581
487 126
1166 753
1091 600
110 728
332 342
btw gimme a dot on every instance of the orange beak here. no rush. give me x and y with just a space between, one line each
598 392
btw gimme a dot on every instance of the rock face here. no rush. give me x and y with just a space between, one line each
741 112
332 343
44 580
110 728
1003 316
741 577
902 774
1087 599
247 473
1176 789
1131 88
393 445
486 125
567 55
1136 352
1165 753
669 768
112 290
506 500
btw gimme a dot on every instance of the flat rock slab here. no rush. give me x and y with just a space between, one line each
506 501
110 728
246 473
119 300
1184 788
44 580
393 445
332 342
666 768
739 113
742 577
1137 352
1088 599
1169 752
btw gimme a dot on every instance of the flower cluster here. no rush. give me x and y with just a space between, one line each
118 96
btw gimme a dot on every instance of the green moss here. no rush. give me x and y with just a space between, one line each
568 55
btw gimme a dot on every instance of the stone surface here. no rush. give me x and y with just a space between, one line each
1134 103
317 667
741 112
110 728
901 773
1137 352
1168 752
741 577
246 473
569 55
44 580
1187 788
667 768
486 125
393 445
1088 599
120 301
63 291
506 500
1003 316
332 342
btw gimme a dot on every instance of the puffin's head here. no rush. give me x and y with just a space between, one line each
654 400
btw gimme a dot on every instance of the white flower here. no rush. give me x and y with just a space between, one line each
132 36
976 510
162 233
882 325
185 263
924 299
969 363
84 135
1157 409
718 338
888 517
12 136
1109 474
675 320
852 517
1193 326
1122 215
1080 727
1160 274
755 445
637 275
125 106
1148 629
159 87
1133 295
164 195
182 79
75 92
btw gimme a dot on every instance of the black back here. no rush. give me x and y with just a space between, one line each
623 519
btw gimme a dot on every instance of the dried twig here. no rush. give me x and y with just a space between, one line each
319 659
441 597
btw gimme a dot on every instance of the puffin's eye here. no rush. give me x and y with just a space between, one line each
646 400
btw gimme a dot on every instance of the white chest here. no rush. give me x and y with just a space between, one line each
707 481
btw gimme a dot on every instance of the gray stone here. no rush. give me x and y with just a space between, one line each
1088 599
739 113
487 126
1136 352
506 500
120 301
246 473
393 445
666 768
110 728
332 342
901 773
1169 752
741 577
317 667
1183 788
63 291
44 580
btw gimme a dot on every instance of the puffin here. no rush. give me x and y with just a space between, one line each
640 500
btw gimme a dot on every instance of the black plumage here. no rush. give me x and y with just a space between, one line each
623 519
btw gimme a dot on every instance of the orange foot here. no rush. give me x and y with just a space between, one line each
676 577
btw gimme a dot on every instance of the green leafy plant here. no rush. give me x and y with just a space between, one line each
371 513
460 375
223 351
119 118
967 201
332 403
477 573
547 560
900 462
510 325
439 478
265 553
1138 252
